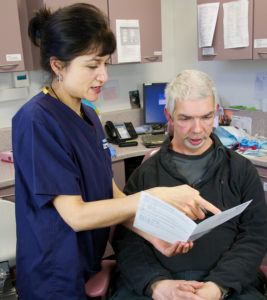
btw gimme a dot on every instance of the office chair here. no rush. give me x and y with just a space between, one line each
98 285
150 153
8 240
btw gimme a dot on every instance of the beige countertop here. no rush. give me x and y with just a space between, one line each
259 161
7 176
126 152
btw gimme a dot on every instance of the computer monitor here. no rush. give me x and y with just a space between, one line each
154 102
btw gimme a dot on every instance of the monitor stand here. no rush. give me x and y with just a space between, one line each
158 128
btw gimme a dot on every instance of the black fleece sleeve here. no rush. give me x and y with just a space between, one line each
239 265
138 265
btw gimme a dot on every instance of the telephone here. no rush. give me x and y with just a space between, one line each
121 133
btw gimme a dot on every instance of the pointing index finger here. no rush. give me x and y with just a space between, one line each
207 205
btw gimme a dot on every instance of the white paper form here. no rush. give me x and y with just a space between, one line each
235 24
207 18
128 41
216 220
163 221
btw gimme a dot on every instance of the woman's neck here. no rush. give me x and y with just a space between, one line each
58 92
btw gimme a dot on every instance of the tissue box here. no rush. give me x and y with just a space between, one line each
7 156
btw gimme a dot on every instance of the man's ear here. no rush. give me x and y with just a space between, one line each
170 121
56 65
167 115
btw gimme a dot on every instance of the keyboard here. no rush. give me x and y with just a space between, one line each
154 140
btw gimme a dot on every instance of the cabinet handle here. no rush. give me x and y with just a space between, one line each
263 176
8 66
152 57
263 52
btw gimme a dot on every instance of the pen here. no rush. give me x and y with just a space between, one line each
203 209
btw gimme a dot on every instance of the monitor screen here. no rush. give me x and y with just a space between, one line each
154 102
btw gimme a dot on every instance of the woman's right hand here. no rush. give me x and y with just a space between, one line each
184 198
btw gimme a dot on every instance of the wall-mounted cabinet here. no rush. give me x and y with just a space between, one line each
55 4
260 32
148 13
257 24
18 53
11 50
219 52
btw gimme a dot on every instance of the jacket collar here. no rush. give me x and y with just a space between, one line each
218 160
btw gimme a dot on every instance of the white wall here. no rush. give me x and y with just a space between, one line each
234 79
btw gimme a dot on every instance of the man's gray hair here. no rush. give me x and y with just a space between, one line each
189 85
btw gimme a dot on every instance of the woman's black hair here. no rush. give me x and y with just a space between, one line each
69 32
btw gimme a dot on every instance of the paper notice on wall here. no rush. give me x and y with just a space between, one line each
235 24
111 90
242 122
128 41
207 18
260 89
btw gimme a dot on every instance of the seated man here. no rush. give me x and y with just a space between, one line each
223 263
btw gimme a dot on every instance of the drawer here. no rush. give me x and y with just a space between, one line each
8 193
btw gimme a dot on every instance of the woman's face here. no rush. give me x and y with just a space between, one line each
84 77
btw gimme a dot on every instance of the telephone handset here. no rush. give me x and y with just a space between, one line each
121 133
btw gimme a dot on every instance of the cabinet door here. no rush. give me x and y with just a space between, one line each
55 4
218 41
32 53
148 12
11 54
260 33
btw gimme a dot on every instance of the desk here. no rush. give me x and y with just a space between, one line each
119 163
7 176
261 166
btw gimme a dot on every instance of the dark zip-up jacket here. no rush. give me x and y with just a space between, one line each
230 254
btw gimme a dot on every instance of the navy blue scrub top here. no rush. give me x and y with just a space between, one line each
57 153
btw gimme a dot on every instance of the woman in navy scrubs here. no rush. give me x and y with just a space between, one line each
65 195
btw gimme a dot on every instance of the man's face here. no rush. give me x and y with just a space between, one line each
192 122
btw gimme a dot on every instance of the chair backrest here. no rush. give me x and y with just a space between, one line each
8 237
150 153
156 149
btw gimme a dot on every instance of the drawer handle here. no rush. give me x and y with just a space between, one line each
152 58
8 66
209 54
8 195
263 176
263 52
